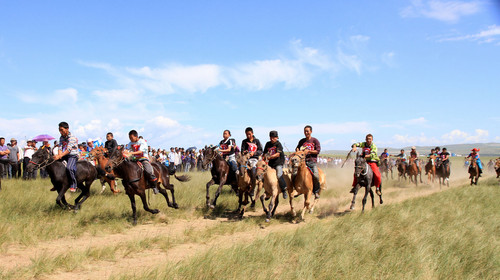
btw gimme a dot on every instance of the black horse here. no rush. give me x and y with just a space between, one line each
221 174
443 172
135 182
86 173
364 178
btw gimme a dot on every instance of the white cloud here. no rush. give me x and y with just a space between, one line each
67 96
490 35
458 136
388 59
447 11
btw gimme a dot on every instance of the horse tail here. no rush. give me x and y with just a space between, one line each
183 178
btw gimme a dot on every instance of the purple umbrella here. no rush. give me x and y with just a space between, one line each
43 137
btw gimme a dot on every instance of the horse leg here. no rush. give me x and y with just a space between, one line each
372 197
211 182
290 198
61 200
307 202
380 196
271 207
240 201
83 196
275 205
353 202
165 194
263 204
142 195
103 183
364 198
217 193
134 208
172 191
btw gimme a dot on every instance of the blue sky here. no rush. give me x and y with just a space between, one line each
180 72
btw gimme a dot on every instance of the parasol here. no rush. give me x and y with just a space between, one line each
43 137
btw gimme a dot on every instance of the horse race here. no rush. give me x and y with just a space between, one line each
250 140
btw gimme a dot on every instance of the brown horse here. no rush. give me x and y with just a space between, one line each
401 164
443 172
386 167
473 172
244 180
302 180
497 167
135 182
430 169
221 174
98 154
413 171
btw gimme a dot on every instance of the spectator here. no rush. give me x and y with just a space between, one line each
13 158
43 172
4 158
29 150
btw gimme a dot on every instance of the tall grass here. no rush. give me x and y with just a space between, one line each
453 234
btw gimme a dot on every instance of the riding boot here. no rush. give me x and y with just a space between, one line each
353 190
480 172
153 184
316 188
252 181
282 184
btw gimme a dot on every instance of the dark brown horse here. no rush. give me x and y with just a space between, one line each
413 171
86 173
98 154
401 164
473 172
443 172
497 167
386 167
135 182
221 174
244 180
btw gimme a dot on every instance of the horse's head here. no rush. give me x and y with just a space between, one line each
98 152
243 163
41 157
209 154
115 158
296 159
261 169
359 165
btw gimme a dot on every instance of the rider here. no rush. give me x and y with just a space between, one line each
414 155
402 156
227 146
68 152
370 154
475 156
138 151
384 155
276 157
110 145
312 149
252 146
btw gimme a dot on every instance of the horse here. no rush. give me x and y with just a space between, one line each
430 169
302 180
473 172
86 173
401 164
135 183
99 153
364 178
267 175
244 180
221 174
442 172
385 167
497 167
413 171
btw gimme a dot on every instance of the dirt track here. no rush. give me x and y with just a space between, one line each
18 256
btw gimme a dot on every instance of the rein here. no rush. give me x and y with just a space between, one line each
44 163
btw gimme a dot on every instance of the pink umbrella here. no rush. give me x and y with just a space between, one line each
43 137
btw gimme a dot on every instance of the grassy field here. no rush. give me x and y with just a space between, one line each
417 238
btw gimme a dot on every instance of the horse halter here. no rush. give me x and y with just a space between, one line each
114 163
44 163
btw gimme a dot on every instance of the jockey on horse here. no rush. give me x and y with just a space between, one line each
414 155
372 159
276 158
227 148
475 156
138 152
312 148
68 152
252 146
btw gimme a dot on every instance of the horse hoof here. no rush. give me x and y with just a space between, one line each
252 205
134 222
212 206
155 211
176 206
267 220
170 205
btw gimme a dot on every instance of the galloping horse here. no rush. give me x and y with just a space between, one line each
442 172
385 167
221 174
302 180
413 171
401 164
244 184
86 173
364 178
135 182
99 154
497 167
430 169
473 172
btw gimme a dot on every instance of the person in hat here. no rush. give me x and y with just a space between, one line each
13 158
414 155
312 147
68 152
252 146
475 156
273 151
29 150
372 159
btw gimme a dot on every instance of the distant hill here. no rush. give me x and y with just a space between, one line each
487 149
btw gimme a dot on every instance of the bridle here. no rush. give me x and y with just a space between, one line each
114 163
44 163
